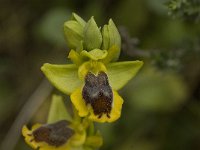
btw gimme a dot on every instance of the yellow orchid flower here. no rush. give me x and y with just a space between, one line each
56 136
93 82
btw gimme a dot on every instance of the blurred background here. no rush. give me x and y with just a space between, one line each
161 109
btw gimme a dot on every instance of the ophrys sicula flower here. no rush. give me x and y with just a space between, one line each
94 78
49 136
93 82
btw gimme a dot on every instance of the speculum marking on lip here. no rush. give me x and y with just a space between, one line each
55 134
98 93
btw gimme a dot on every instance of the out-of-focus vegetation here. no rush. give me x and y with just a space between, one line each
189 9
162 104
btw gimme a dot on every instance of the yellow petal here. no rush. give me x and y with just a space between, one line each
29 137
115 112
83 110
36 126
79 103
75 57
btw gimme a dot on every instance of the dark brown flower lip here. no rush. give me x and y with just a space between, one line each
55 134
98 93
